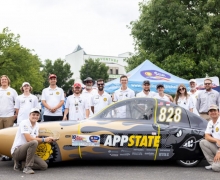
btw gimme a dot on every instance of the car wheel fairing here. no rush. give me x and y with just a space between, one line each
188 163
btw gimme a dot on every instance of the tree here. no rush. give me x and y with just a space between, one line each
180 36
94 69
18 62
62 71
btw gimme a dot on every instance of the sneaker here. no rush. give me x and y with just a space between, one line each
17 165
3 158
208 167
28 170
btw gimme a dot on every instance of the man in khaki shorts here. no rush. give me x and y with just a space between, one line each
7 111
211 144
25 145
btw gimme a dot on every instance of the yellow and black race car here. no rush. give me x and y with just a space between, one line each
136 129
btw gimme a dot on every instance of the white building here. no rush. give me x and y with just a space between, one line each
116 64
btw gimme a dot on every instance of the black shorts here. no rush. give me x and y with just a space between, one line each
52 118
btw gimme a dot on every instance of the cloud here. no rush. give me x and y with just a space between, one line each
53 28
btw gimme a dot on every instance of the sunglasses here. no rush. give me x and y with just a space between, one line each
180 89
207 83
100 84
89 82
212 129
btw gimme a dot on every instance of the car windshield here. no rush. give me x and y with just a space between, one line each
136 108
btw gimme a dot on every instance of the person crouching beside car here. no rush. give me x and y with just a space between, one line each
25 144
211 144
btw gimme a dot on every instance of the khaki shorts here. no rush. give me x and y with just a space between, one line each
6 122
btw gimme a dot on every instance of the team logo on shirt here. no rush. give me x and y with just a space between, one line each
57 93
8 93
217 129
105 99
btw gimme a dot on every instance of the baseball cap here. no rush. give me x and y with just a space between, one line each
160 85
52 76
35 110
146 82
25 83
77 85
213 106
192 80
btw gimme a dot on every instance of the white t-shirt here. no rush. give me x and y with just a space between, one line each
77 106
213 129
24 104
88 96
142 94
194 98
53 98
121 95
100 101
25 127
164 97
7 99
186 103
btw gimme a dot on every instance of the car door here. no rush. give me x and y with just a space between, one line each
174 129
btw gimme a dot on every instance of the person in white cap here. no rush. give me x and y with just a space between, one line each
25 102
193 92
211 144
76 105
25 144
7 111
53 99
206 98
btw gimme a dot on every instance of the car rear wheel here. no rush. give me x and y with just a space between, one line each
188 163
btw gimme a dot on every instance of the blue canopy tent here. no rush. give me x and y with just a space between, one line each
151 72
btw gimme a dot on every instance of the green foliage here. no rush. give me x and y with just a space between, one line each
19 63
180 36
94 69
62 71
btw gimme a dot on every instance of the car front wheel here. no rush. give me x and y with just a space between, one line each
188 163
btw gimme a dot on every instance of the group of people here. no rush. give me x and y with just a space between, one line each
83 103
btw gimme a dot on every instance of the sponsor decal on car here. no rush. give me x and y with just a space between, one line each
85 140
133 140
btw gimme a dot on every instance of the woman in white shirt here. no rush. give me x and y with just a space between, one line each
183 99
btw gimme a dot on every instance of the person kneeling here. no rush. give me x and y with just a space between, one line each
25 145
211 144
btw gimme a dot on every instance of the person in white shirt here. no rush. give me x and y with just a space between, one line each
146 90
161 95
211 144
194 94
76 105
183 99
52 99
26 142
123 93
88 92
25 102
101 99
7 111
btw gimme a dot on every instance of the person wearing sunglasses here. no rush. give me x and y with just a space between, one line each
193 92
211 144
206 98
101 99
183 99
